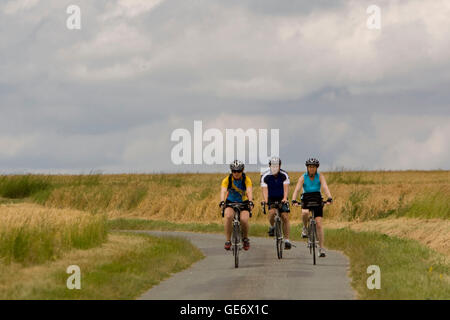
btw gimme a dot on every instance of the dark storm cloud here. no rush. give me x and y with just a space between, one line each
108 96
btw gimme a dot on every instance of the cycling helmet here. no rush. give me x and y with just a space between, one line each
275 160
312 161
237 165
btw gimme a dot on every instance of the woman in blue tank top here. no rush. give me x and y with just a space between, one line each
313 185
311 182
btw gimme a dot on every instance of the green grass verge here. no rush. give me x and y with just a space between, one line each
430 205
405 264
126 276
409 270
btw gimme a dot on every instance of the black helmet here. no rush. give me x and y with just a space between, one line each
237 165
312 161
275 160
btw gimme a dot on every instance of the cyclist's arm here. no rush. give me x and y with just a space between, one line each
325 186
286 191
223 193
298 188
250 193
286 183
265 192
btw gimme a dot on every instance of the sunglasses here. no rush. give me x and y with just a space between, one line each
236 171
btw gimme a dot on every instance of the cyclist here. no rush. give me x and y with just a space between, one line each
237 187
275 187
311 182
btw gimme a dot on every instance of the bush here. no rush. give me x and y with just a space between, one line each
353 208
16 187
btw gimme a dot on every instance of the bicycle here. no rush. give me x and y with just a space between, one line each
311 229
279 240
236 234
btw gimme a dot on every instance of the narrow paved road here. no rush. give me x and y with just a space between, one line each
260 274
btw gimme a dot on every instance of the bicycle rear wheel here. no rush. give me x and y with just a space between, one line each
279 237
308 232
313 242
236 243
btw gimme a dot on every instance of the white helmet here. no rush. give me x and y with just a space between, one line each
275 160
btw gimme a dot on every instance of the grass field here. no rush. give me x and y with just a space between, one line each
182 198
399 220
32 234
409 270
433 233
37 244
124 267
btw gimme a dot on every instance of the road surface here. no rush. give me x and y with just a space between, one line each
260 274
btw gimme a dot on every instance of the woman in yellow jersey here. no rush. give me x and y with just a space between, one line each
237 187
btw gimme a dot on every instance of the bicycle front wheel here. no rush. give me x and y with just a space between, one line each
236 242
279 237
313 242
308 232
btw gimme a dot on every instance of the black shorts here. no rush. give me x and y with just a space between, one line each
313 198
283 208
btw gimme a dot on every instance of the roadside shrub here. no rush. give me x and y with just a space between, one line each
353 208
16 187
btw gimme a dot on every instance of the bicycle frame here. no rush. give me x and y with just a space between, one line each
236 235
312 235
312 228
279 239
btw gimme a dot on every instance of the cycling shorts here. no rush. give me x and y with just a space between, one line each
313 197
282 208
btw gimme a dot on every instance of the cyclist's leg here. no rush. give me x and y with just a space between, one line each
244 223
305 217
320 231
286 224
272 217
228 221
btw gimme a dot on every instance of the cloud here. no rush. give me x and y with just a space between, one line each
10 146
397 142
130 8
15 6
433 152
108 96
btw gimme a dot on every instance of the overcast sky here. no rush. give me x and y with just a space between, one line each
107 97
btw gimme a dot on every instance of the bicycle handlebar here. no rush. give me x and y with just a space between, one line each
236 205
311 203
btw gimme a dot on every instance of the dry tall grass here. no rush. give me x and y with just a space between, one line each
433 233
32 234
359 196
